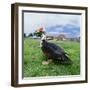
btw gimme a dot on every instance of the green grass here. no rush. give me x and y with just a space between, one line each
33 58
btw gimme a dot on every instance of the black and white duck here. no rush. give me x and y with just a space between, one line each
53 51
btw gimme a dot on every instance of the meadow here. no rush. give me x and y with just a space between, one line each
33 58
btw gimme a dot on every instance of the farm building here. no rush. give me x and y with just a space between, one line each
61 37
50 37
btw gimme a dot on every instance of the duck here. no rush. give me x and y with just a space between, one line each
53 51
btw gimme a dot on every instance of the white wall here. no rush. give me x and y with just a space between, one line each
5 45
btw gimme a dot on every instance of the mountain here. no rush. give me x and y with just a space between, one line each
69 30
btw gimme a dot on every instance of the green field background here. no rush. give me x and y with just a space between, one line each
33 58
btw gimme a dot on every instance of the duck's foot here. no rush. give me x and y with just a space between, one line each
47 62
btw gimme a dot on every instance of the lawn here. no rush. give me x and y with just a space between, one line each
33 58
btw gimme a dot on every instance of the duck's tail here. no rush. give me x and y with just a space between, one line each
65 59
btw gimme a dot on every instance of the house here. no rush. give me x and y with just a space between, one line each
50 37
61 37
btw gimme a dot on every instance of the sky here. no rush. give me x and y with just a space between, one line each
54 24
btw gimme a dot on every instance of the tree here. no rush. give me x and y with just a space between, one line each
30 35
24 35
39 32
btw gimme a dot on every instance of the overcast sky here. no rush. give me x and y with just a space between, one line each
33 21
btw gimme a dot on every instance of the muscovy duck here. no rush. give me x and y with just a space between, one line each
53 51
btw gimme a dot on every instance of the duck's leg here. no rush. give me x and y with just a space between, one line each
48 60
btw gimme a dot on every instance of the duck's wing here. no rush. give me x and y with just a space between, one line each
56 48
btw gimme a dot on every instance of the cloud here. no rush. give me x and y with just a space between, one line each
57 28
51 22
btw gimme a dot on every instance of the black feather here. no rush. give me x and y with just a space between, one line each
55 52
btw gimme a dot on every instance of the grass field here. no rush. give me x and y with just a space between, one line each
33 58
